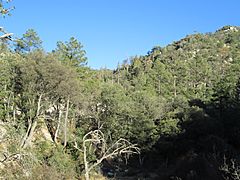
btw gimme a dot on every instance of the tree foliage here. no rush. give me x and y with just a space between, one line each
179 104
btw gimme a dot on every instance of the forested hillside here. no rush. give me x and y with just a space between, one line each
173 113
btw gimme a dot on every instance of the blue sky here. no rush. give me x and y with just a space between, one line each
114 30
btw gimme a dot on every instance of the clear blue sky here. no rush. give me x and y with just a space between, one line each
113 30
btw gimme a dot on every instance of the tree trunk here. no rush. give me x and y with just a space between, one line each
174 86
26 135
85 161
65 124
8 106
112 79
32 126
30 135
118 78
58 126
159 86
87 175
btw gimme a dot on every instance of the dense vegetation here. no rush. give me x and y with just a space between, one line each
171 114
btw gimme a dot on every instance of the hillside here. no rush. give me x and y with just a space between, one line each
178 106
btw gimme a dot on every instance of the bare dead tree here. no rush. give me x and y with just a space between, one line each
97 138
5 11
6 35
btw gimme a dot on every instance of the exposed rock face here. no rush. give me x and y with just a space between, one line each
229 28
3 131
3 147
42 133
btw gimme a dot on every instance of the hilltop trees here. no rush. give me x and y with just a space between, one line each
71 52
29 42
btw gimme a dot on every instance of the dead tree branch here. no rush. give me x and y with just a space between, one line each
96 138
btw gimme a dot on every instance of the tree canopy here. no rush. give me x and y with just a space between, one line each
170 114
